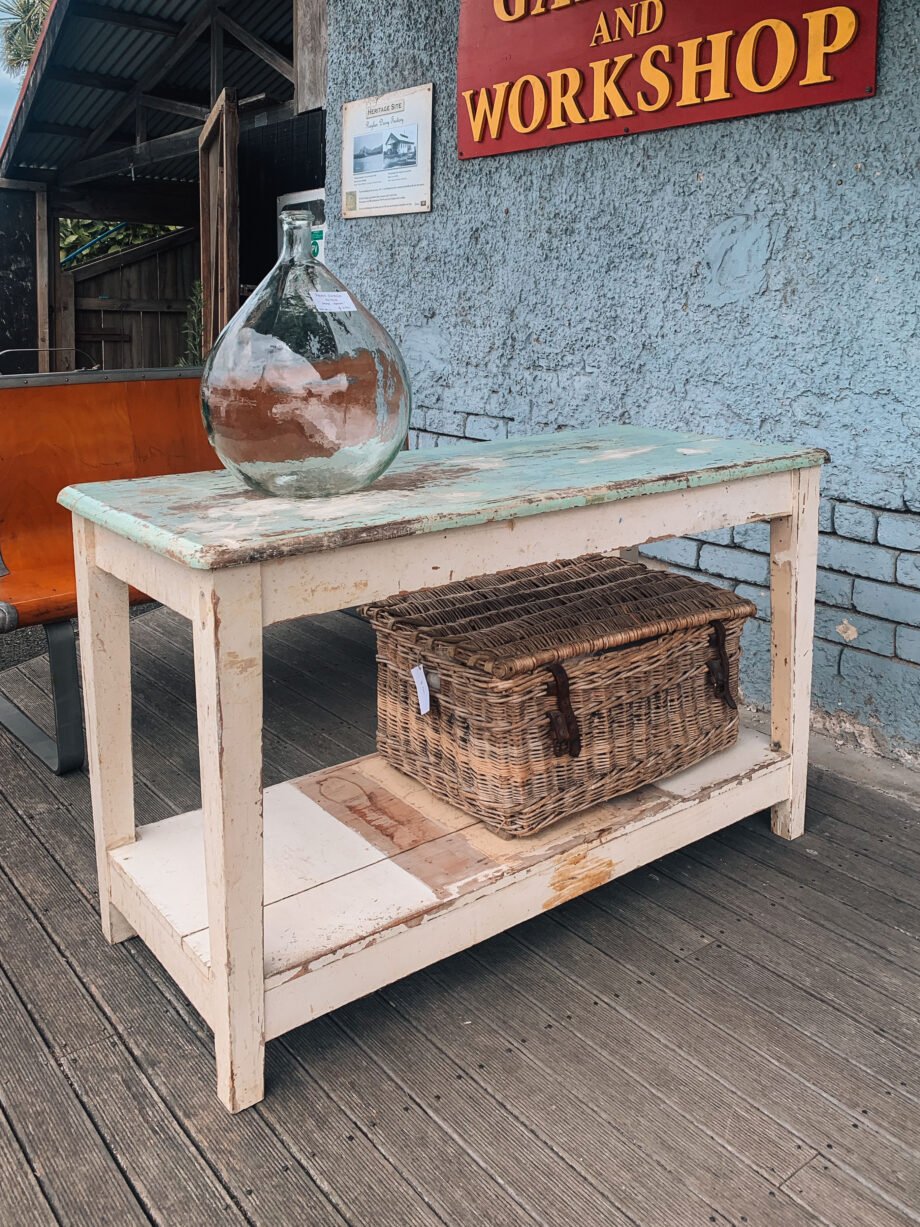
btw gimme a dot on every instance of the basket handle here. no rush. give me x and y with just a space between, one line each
563 722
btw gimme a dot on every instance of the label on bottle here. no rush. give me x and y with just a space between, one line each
421 686
332 300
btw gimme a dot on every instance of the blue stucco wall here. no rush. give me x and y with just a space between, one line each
754 278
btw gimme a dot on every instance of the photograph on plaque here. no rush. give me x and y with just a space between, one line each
386 154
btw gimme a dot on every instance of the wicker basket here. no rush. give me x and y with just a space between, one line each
556 687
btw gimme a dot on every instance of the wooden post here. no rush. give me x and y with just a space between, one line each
311 54
218 179
42 280
217 57
64 312
793 577
105 654
228 680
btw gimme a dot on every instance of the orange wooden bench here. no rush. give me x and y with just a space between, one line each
56 430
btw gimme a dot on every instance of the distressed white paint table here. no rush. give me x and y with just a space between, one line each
269 910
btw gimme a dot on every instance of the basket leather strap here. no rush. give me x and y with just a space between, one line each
719 669
564 724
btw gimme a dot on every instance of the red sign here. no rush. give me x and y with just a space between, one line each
548 72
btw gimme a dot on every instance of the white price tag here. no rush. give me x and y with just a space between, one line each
332 300
421 686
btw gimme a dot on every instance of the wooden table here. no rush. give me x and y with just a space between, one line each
355 876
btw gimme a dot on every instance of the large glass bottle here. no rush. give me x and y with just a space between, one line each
304 393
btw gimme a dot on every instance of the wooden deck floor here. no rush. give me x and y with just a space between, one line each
729 1036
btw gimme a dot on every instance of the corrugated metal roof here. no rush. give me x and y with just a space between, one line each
75 43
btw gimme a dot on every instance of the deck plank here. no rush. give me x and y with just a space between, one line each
821 1184
881 906
724 1076
769 888
543 1180
413 1140
54 1129
633 1113
22 1201
711 1024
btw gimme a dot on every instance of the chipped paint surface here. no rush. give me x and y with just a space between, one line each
578 872
210 520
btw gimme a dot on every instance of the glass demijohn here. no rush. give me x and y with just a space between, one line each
305 394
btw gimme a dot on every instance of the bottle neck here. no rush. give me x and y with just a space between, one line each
297 246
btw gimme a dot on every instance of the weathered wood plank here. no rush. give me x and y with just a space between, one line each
901 856
326 1142
834 969
836 854
174 1060
826 878
687 1057
589 1141
768 884
630 1107
548 1187
311 54
413 1141
793 574
874 801
461 487
21 1199
708 870
63 1014
53 1128
828 1191
717 1027
307 706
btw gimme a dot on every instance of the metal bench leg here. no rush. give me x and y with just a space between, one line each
66 750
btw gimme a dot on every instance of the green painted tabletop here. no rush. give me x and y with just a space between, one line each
211 520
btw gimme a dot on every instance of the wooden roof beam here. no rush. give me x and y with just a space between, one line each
123 17
159 67
258 46
175 106
159 149
149 153
94 80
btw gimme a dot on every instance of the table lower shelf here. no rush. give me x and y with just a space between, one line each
369 877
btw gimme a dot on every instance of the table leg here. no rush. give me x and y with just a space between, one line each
793 575
105 655
228 679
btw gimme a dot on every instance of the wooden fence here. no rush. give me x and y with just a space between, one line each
127 311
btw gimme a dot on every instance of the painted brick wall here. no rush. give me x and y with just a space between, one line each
867 624
755 278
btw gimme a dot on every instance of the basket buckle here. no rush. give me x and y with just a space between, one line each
563 722
719 669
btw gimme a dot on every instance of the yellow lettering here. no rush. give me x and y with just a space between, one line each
647 9
657 78
486 111
624 20
539 102
608 101
717 68
564 87
510 10
602 33
820 42
787 50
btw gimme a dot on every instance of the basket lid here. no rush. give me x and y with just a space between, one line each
515 621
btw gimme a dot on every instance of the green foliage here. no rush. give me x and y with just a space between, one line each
75 231
193 329
21 23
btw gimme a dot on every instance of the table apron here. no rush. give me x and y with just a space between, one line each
337 579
